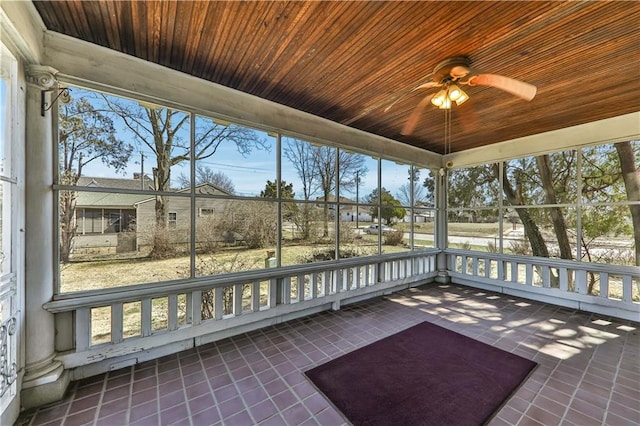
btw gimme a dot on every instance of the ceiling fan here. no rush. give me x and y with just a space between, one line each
449 75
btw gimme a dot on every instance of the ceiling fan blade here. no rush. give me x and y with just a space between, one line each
468 117
411 123
517 88
426 85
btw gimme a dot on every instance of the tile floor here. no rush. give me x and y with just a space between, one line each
588 373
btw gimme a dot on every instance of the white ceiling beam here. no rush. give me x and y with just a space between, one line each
22 30
616 129
96 67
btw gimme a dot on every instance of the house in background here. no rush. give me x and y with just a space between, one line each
119 222
104 219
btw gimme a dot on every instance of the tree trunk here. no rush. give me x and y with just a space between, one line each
538 246
68 225
631 176
557 218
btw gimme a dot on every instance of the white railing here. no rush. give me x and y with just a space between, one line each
121 326
600 288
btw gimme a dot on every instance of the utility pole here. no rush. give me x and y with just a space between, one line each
141 170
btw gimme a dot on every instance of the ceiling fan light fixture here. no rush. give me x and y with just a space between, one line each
446 103
454 92
462 98
439 98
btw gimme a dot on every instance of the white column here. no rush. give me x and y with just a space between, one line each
45 379
441 226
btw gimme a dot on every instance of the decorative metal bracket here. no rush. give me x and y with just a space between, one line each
8 367
63 95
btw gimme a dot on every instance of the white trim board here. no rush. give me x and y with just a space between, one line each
616 129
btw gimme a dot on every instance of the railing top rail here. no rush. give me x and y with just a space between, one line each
561 263
91 298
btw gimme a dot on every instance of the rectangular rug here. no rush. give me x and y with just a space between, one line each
424 375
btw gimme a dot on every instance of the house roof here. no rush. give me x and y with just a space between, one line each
122 200
111 200
349 61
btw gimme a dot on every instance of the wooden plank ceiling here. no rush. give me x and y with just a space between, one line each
348 61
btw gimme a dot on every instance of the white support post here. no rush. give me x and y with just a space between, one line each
45 379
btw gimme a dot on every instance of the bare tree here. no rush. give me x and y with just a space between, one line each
206 174
158 129
316 168
85 135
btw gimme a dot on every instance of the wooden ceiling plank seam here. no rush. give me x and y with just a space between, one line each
139 28
245 69
293 55
346 53
181 31
224 11
540 38
301 69
552 44
544 22
97 14
113 25
264 59
73 15
207 42
154 24
126 27
168 14
232 44
198 18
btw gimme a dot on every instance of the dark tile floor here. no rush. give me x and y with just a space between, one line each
589 372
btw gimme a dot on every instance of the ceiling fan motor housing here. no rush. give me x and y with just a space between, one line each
442 71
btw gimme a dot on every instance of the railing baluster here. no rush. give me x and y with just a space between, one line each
145 308
604 285
581 281
367 275
116 323
301 289
83 329
237 299
514 271
529 274
314 285
326 283
627 288
286 290
173 311
546 276
255 296
195 307
218 303
273 293
564 279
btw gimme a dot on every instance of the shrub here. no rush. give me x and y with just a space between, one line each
393 238
319 254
